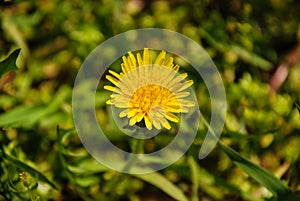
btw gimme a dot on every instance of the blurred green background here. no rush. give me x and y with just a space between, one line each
254 44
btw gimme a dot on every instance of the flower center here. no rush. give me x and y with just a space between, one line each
151 96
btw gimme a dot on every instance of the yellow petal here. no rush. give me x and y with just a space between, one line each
126 64
123 68
132 60
132 121
175 109
121 104
182 94
140 116
139 59
146 57
120 98
124 113
186 103
148 123
167 125
109 88
156 124
143 76
160 113
132 112
172 117
112 79
114 74
176 68
160 58
163 74
169 76
169 62
176 82
184 110
184 86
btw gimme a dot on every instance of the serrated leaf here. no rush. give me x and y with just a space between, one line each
265 178
9 63
163 184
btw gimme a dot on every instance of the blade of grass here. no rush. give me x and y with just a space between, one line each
163 184
194 177
265 178
262 176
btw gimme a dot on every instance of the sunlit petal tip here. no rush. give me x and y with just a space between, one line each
184 75
112 79
182 94
184 85
148 123
172 117
139 59
169 62
156 124
146 57
124 113
126 64
176 68
184 110
167 125
132 59
114 74
140 116
132 112
187 103
132 121
160 58
109 88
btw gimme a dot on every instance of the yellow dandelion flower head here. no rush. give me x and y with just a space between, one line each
149 92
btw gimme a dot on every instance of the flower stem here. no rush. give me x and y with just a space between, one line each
137 147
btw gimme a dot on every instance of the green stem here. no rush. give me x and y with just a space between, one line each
137 148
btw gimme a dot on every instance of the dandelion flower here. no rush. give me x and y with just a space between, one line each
147 92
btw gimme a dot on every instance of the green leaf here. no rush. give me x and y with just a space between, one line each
265 178
28 169
251 57
9 63
163 184
26 116
212 184
244 54
194 178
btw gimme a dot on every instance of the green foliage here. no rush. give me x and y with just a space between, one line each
164 184
16 162
41 156
264 177
298 107
9 63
